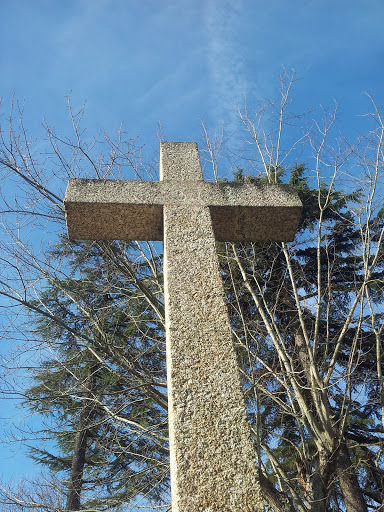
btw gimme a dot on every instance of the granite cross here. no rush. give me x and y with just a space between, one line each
213 465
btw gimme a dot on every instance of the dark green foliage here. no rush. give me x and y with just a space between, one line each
108 349
335 266
106 335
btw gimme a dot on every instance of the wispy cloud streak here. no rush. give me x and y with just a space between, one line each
228 73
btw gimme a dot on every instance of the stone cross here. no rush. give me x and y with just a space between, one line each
213 464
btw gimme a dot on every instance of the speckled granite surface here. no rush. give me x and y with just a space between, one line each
213 466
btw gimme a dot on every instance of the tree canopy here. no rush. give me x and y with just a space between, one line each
307 320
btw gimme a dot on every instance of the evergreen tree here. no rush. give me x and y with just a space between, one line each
103 387
307 321
319 447
318 425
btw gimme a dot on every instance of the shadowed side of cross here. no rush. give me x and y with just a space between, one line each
213 464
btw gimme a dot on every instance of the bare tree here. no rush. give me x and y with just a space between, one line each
96 330
44 493
307 316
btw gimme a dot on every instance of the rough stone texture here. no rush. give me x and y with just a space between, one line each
180 161
133 210
213 465
212 456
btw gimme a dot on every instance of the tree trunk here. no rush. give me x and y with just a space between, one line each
318 477
78 461
274 498
318 494
349 485
318 481
77 468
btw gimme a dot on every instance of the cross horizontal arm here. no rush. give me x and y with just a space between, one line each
133 210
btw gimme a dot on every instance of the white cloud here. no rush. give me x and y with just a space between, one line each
229 77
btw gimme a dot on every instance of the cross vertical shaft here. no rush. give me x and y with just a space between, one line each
212 456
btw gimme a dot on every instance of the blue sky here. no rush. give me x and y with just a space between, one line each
177 62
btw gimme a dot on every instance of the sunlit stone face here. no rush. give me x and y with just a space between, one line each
213 466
